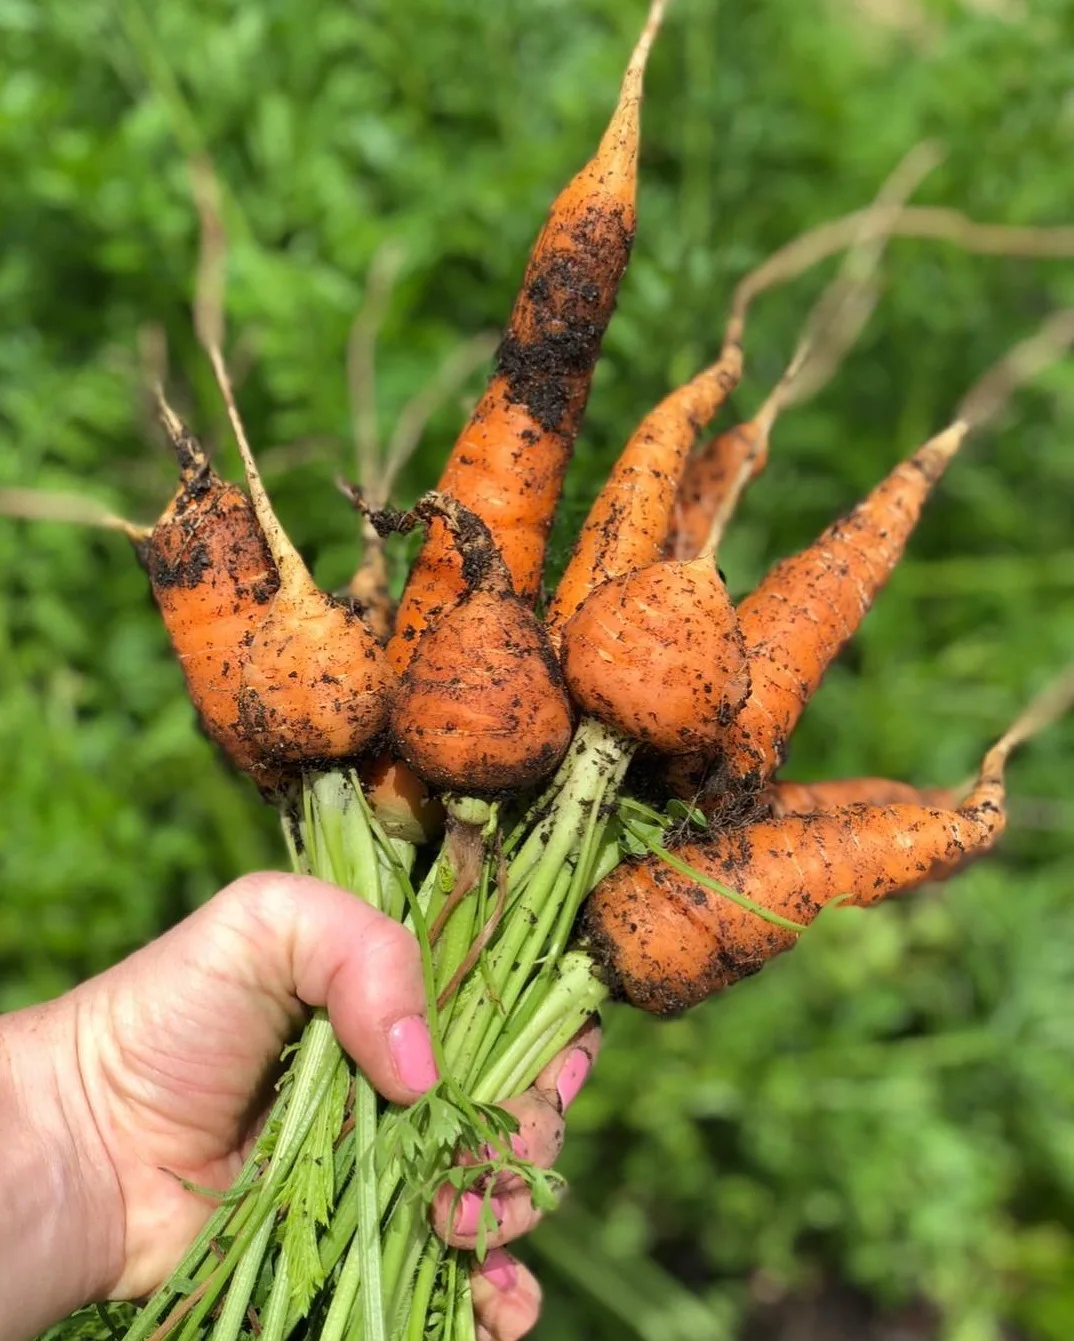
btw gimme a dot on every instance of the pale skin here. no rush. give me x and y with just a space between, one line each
163 1065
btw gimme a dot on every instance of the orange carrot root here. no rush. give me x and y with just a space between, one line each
402 803
482 707
509 462
667 941
315 683
808 798
709 478
214 580
658 654
808 606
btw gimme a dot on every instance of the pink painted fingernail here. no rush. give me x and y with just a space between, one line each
499 1270
572 1077
519 1146
412 1052
468 1216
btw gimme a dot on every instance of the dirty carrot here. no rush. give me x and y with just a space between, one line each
657 654
671 935
808 606
509 462
403 805
482 706
214 581
807 798
315 682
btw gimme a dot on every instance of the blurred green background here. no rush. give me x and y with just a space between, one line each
875 1137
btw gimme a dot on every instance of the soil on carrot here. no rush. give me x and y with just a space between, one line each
572 312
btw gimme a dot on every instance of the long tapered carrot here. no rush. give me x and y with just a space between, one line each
668 938
807 798
808 606
508 464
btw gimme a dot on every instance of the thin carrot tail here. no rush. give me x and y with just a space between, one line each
714 481
50 505
621 135
988 791
190 456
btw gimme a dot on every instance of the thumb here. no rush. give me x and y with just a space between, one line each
321 946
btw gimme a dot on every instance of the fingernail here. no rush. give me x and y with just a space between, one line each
519 1146
468 1216
572 1077
499 1270
412 1052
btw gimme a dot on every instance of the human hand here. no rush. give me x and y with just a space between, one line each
163 1067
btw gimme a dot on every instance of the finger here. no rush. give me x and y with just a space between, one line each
324 947
539 1139
507 1297
567 1072
540 1135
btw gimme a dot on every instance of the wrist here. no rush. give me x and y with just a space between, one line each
62 1230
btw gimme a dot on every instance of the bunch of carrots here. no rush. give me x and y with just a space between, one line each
472 760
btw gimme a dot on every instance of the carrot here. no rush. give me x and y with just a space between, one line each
482 707
214 580
211 575
315 682
627 525
402 803
710 476
807 798
808 606
667 938
658 654
509 462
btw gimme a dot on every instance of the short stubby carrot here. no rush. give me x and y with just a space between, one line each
509 462
404 806
482 706
667 938
214 580
658 655
315 682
